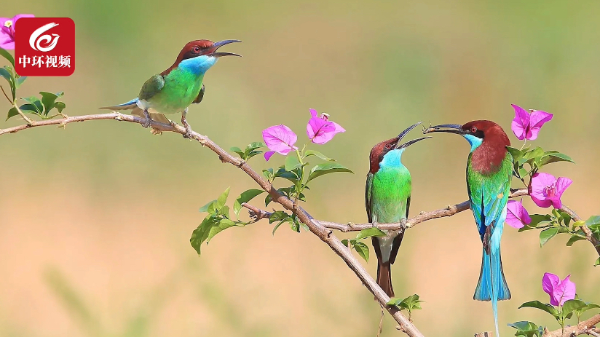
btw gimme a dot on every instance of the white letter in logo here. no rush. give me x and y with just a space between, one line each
35 39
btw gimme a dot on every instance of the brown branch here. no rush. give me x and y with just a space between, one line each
257 214
422 217
582 328
586 230
315 227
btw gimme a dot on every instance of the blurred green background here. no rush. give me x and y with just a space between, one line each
95 220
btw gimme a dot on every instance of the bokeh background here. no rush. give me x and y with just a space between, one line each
95 220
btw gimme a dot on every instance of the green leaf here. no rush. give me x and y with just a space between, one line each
369 232
539 305
317 154
326 168
255 145
7 56
593 220
597 263
574 238
12 112
345 242
245 197
60 106
291 176
7 75
218 228
527 329
516 153
292 163
362 250
547 234
268 174
554 156
279 216
238 151
48 100
200 234
35 109
207 206
572 305
251 150
19 80
222 199
209 227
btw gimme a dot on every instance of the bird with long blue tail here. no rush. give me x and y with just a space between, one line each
387 200
175 89
489 173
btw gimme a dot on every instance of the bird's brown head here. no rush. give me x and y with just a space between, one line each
488 142
381 149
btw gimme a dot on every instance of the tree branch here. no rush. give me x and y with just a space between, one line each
588 233
323 233
582 328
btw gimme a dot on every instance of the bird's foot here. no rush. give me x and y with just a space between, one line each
148 120
188 129
155 131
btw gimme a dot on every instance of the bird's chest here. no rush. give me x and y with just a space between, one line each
179 92
390 194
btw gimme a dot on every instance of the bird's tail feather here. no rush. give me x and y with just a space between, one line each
125 106
492 284
384 277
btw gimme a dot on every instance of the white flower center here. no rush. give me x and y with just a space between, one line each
8 23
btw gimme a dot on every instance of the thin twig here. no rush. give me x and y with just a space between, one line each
586 230
5 95
315 227
582 328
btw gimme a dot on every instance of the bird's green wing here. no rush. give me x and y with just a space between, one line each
489 195
200 95
368 189
152 87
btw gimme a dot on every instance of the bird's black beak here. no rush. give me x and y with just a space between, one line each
220 44
407 144
403 133
449 128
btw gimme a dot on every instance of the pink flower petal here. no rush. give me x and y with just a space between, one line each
566 290
321 130
537 120
268 155
537 189
520 122
280 138
516 215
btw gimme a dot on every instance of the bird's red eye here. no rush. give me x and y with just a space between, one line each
196 49
473 129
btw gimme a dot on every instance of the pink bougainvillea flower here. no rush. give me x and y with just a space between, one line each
559 291
546 190
7 30
527 125
280 139
516 215
320 130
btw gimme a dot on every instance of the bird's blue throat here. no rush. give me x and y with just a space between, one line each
474 141
392 159
198 65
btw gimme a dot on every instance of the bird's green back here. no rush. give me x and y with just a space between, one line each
489 192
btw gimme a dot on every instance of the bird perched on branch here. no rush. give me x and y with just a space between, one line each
489 173
176 88
387 199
